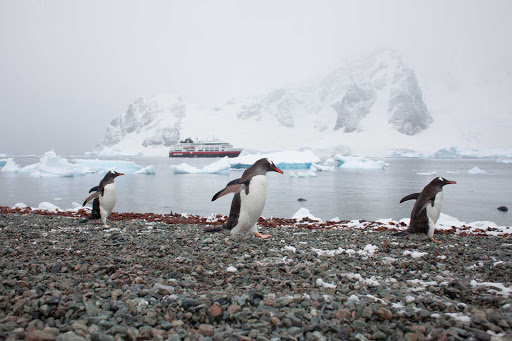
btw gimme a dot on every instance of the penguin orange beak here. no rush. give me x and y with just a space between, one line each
451 182
118 174
278 170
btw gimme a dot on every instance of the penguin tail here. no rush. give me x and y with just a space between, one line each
213 229
401 234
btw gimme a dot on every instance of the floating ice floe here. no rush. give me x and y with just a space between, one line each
323 168
405 153
283 160
304 213
218 167
504 161
309 174
110 152
53 165
476 170
10 167
97 165
358 162
428 173
3 162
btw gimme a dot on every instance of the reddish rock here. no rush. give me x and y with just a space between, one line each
216 311
205 330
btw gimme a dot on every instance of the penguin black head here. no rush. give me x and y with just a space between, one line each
113 175
263 166
439 181
271 167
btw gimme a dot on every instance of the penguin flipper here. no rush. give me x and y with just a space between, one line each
410 197
234 186
94 189
92 196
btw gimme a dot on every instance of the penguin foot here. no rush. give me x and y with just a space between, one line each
435 240
262 236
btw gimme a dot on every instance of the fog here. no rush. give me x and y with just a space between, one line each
67 68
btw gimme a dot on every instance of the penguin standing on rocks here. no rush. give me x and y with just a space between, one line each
426 210
249 199
105 196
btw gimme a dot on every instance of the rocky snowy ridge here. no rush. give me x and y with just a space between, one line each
379 87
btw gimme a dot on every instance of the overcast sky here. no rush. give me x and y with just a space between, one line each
67 68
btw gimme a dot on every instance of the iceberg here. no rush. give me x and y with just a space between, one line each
476 170
10 167
405 153
3 162
322 168
218 167
53 165
146 170
19 205
283 160
97 165
504 161
463 153
358 162
4 155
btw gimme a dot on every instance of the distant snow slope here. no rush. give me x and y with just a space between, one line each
369 106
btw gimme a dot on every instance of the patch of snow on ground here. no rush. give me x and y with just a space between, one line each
320 282
290 248
414 254
353 298
459 317
506 291
20 205
47 206
368 250
231 269
304 213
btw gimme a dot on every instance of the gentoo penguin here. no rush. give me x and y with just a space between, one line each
249 199
426 210
104 196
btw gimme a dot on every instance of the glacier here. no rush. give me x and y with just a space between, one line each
375 95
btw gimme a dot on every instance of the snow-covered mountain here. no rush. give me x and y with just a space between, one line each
368 106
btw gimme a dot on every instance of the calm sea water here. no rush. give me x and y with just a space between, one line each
347 194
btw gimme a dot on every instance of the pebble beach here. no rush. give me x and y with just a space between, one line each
160 277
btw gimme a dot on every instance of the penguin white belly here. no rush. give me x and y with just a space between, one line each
252 204
108 200
433 212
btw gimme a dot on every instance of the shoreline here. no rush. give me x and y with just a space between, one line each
458 228
148 279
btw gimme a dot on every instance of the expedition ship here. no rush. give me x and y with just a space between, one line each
189 148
